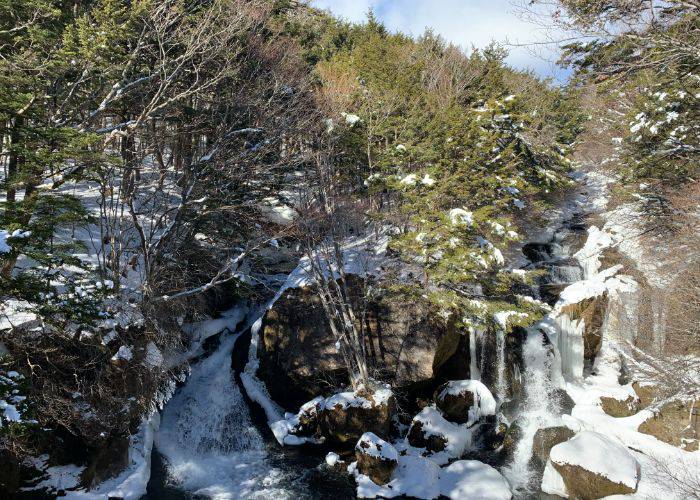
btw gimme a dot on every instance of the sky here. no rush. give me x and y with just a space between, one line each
467 23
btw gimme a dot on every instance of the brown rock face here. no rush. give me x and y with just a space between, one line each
620 407
342 423
592 312
547 438
586 485
376 458
455 407
672 424
408 343
418 438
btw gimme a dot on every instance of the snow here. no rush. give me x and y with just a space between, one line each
5 235
599 454
374 446
125 353
277 212
418 477
350 118
332 459
427 180
501 317
484 402
473 480
409 180
16 314
9 412
460 216
154 358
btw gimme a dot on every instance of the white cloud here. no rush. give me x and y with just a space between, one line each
468 23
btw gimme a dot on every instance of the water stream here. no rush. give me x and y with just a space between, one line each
214 443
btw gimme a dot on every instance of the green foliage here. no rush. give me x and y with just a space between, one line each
452 152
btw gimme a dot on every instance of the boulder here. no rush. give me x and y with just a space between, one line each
563 401
510 440
646 393
620 407
672 424
465 401
590 466
307 422
348 415
408 343
592 312
441 439
376 458
546 438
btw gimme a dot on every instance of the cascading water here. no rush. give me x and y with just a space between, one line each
211 445
538 408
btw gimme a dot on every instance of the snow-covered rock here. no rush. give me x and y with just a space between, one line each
465 401
591 465
473 480
437 437
376 458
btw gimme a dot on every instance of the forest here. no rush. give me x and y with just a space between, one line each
252 250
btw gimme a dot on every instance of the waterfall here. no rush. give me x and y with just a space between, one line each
207 436
539 408
474 372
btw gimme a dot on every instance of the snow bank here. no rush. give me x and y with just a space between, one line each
473 480
418 477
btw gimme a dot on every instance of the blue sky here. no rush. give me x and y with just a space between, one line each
464 22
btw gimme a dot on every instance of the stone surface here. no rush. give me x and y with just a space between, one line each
546 438
593 466
343 423
408 342
619 407
672 424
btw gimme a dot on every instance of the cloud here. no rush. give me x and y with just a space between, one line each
467 23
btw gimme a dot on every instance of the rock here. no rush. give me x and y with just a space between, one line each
546 438
646 393
376 458
442 440
563 401
619 407
590 466
308 419
347 415
490 433
672 424
592 312
510 440
465 401
409 343
107 461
